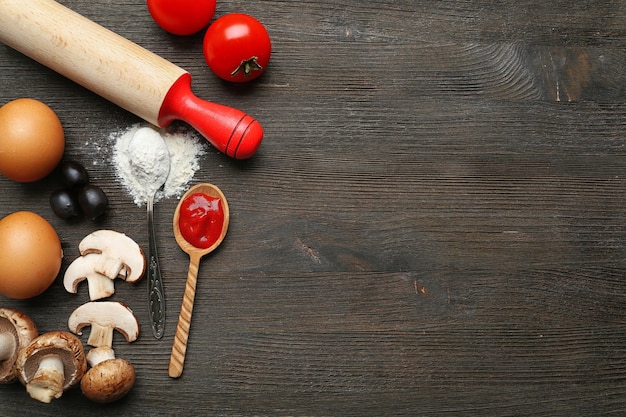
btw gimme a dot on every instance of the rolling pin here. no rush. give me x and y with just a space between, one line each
122 72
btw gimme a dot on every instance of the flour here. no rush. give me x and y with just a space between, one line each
141 162
149 159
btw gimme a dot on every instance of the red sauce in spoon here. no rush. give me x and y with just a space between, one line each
201 220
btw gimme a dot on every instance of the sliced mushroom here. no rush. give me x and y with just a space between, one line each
83 268
120 256
104 317
51 364
16 331
109 378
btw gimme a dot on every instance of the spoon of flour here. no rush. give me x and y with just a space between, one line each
150 165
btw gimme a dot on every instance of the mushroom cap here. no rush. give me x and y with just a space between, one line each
68 347
118 246
108 381
23 329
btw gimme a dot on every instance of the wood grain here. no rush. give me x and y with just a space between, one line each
434 224
179 347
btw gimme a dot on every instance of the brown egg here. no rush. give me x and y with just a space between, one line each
31 255
31 140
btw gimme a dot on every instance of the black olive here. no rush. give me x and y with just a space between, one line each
93 201
64 204
74 174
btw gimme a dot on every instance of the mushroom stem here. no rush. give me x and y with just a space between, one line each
48 381
100 286
99 354
100 335
7 346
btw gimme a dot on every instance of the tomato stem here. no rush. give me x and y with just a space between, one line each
247 66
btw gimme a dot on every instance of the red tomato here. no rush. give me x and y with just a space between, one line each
237 47
182 17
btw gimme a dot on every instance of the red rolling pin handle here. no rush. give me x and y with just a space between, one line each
230 130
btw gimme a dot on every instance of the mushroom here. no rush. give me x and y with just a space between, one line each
120 256
16 331
50 364
108 381
83 267
104 317
109 378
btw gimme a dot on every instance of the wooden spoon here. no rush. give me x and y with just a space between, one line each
179 348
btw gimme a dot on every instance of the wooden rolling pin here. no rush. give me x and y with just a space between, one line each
122 72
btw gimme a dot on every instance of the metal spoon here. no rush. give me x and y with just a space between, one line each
179 347
152 172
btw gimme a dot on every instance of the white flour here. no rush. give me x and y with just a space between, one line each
135 164
149 159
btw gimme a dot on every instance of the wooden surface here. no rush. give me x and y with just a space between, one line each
434 224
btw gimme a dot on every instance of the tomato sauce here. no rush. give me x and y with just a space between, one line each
201 220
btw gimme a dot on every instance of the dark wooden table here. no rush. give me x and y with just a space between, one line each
434 224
